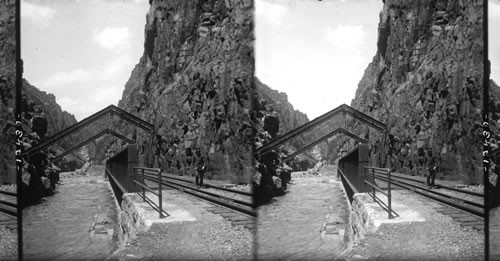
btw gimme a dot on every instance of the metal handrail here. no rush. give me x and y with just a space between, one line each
380 171
145 187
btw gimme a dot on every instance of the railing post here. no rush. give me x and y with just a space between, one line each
159 194
143 190
373 180
365 169
389 192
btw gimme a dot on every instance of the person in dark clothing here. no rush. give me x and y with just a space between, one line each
200 163
432 168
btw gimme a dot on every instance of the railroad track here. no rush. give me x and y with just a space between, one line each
464 206
8 209
239 211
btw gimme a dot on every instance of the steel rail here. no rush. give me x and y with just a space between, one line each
211 186
246 203
8 193
428 194
479 205
402 176
214 198
9 211
8 207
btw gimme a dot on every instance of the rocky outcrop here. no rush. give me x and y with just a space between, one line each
41 118
7 92
425 83
56 119
274 116
194 82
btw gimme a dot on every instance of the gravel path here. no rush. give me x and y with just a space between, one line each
210 237
494 245
8 237
437 238
8 244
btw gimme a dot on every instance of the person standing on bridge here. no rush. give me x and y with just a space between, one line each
432 168
200 163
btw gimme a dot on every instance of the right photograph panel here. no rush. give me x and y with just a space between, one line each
494 107
370 142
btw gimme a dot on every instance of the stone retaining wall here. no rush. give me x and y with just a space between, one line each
132 219
361 221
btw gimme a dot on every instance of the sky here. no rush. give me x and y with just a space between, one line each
494 39
82 51
315 51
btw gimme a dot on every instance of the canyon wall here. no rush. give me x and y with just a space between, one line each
194 83
425 83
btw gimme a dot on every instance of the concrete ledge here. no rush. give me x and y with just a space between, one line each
367 215
137 216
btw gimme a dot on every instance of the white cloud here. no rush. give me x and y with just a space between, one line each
39 15
113 38
270 11
117 66
64 78
66 102
84 106
346 37
105 96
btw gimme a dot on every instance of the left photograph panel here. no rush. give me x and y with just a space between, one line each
139 129
8 188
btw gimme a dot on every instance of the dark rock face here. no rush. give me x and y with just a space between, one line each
425 83
7 92
43 117
50 118
194 82
273 116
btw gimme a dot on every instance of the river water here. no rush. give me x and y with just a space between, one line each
292 226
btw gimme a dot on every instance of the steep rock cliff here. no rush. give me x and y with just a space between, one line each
7 92
425 83
194 82
274 116
282 117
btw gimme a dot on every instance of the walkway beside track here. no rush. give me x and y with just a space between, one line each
195 230
75 223
425 230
